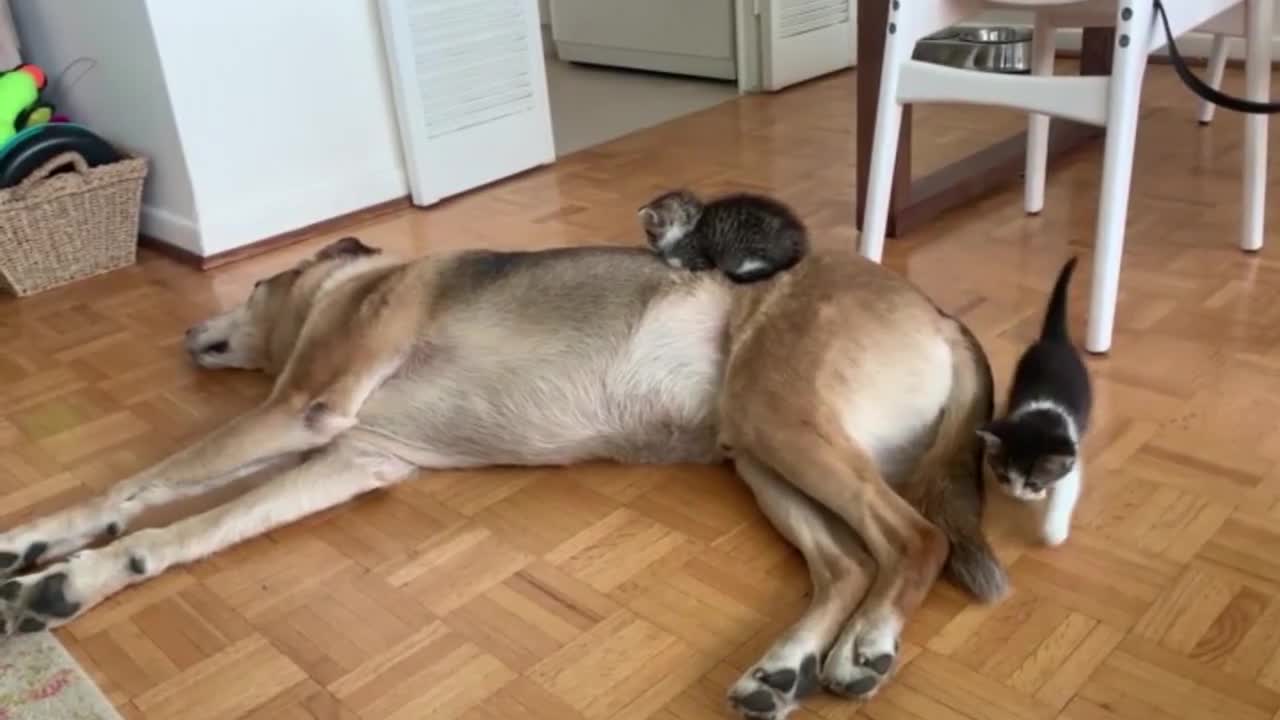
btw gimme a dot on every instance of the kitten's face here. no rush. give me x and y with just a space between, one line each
1026 468
668 218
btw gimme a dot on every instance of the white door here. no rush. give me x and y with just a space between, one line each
802 39
470 91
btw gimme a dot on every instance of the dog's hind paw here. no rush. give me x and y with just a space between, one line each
863 657
772 690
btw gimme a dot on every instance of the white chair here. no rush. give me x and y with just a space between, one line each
1233 23
1109 101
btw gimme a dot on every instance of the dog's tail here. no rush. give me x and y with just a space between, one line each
952 494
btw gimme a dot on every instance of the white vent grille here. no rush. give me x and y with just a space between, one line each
798 17
472 62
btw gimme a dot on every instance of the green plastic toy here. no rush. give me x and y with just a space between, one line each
20 105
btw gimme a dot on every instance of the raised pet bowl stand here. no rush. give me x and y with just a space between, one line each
915 202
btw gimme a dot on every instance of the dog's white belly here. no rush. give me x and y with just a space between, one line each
637 390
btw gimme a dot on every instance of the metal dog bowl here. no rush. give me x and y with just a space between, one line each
987 49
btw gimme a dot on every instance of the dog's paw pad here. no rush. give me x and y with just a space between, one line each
758 701
781 680
861 686
30 604
862 659
771 692
49 597
880 663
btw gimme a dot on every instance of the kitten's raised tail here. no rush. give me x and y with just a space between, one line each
1055 317
957 500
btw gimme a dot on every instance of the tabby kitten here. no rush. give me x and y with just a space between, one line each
748 237
1034 450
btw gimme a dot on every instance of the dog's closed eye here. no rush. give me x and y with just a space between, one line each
217 348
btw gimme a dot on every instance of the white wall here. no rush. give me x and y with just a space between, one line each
123 98
284 109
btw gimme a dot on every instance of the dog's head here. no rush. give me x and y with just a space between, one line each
248 335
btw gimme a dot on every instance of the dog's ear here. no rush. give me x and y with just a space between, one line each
347 247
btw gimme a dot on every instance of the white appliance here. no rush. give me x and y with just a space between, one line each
793 40
470 91
687 37
804 39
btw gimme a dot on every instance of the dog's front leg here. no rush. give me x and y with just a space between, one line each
245 445
64 590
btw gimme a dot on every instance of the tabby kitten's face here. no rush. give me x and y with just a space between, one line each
669 218
1027 462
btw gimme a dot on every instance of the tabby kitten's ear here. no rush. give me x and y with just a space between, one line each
653 222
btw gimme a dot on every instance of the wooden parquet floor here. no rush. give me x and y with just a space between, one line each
623 593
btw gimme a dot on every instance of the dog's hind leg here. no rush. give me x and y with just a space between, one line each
909 551
245 445
60 592
840 569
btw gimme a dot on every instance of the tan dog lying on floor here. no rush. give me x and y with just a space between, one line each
848 402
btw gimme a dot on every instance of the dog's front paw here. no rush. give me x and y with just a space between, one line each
61 592
31 603
18 557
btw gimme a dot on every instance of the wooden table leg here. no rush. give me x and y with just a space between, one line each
913 203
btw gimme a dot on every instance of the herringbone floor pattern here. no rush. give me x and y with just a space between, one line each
623 593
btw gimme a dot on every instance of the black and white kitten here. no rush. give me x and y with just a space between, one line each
1034 450
748 237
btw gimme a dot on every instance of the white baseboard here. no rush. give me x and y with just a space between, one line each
253 218
170 229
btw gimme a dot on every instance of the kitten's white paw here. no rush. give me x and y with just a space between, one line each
1056 524
1055 535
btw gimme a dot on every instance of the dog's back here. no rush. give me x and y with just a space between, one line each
559 356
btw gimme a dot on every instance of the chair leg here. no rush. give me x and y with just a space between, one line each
884 148
1259 18
906 26
1042 54
1217 66
1133 43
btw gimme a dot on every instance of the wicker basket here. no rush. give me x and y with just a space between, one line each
55 229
